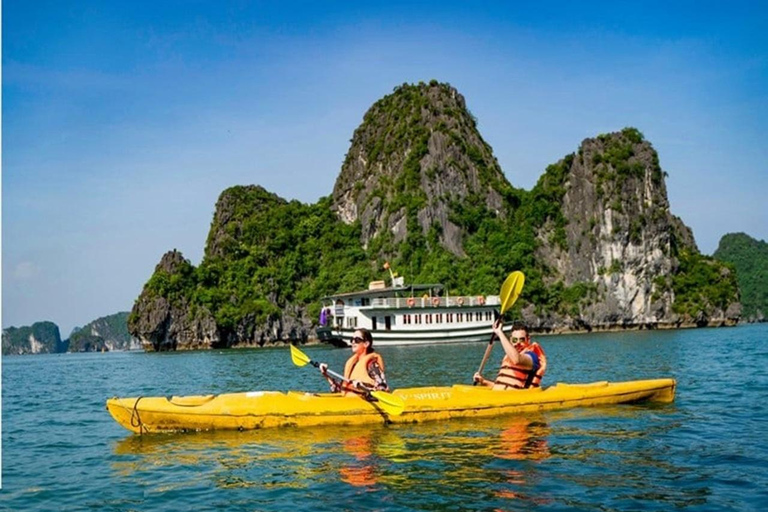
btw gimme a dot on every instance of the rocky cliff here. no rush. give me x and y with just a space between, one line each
420 188
615 237
416 156
39 338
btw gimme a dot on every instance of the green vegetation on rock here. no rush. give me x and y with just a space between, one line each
701 283
105 333
750 259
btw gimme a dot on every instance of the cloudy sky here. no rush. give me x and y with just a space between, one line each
123 121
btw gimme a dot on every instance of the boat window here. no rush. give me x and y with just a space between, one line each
373 323
366 301
459 317
388 322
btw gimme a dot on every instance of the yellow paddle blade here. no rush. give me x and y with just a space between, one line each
511 289
389 403
299 358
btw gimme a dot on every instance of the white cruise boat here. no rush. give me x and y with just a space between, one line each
407 315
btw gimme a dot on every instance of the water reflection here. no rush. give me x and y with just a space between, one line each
398 457
524 438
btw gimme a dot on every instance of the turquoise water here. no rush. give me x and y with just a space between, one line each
707 451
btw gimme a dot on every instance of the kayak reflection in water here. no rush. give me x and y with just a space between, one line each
523 439
362 472
364 370
524 362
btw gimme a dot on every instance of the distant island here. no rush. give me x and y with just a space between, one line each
420 188
750 259
104 334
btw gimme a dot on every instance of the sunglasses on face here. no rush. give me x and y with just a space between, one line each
518 340
357 339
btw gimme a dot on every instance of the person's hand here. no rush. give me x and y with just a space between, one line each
323 368
498 326
478 378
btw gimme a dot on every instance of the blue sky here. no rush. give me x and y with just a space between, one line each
123 121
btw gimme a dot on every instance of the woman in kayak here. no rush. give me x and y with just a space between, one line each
524 362
365 369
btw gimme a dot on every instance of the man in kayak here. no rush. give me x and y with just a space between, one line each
524 362
364 370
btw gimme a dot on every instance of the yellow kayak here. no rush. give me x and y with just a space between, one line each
266 409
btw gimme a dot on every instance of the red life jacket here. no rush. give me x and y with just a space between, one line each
356 368
518 377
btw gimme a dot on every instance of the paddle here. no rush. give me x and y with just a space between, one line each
388 402
509 293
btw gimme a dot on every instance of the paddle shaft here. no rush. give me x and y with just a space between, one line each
366 392
330 372
488 348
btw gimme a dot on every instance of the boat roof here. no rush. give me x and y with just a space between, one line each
386 292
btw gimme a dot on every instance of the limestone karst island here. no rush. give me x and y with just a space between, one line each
421 190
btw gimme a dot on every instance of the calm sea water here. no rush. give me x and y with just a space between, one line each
707 451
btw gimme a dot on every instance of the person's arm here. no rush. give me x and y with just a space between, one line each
482 380
516 357
335 386
377 374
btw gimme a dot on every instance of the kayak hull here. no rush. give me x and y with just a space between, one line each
270 409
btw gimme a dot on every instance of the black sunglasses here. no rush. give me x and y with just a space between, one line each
357 339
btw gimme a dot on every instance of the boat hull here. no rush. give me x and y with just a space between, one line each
267 409
438 335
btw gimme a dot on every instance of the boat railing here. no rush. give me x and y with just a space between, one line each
436 302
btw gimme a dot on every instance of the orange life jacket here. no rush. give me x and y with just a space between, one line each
356 368
512 376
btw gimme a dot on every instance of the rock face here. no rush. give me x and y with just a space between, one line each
162 320
104 334
39 338
416 155
620 240
172 313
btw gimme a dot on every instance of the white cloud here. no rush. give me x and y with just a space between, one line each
25 270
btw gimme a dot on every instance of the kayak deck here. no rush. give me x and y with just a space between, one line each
269 409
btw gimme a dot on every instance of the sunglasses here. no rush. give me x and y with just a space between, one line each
518 340
357 339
